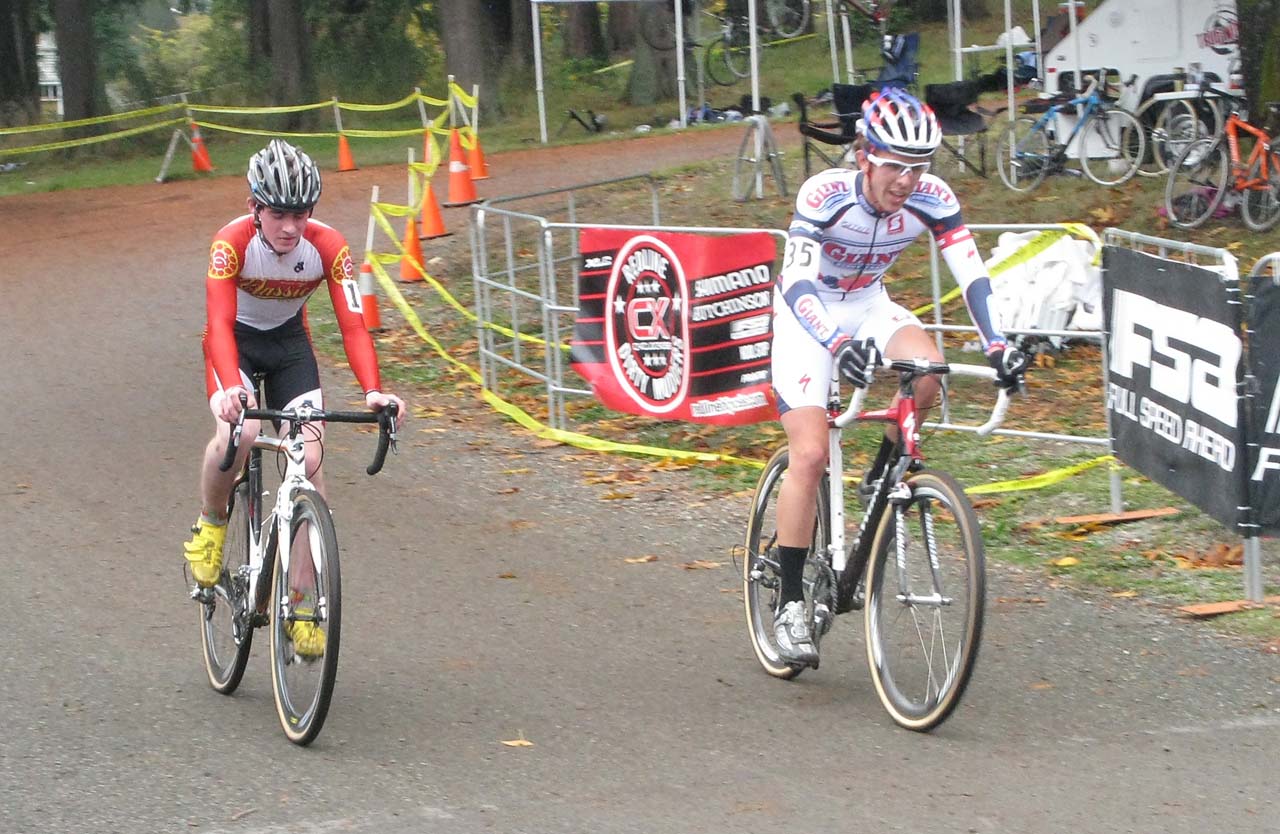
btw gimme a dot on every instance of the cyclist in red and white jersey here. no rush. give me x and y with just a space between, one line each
831 309
263 267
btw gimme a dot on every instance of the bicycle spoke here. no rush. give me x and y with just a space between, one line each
924 622
225 631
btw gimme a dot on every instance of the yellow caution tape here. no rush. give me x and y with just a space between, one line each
251 131
462 95
426 99
95 120
91 140
232 108
374 134
412 98
1040 481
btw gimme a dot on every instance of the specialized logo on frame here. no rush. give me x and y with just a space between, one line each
647 324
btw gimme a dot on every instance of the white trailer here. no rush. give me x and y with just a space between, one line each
1149 44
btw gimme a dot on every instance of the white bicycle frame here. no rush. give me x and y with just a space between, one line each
294 479
836 550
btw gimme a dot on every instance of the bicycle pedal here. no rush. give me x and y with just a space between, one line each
202 595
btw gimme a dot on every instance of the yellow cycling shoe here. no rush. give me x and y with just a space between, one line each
204 552
307 636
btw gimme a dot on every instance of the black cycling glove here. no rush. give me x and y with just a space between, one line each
857 360
1010 365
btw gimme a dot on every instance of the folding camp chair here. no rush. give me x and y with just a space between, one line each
952 104
847 100
901 68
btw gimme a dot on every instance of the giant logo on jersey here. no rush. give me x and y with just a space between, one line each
223 261
647 324
827 193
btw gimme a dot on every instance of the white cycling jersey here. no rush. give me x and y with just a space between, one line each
838 251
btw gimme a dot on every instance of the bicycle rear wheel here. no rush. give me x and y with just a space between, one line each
787 18
1197 183
226 633
761 582
1261 207
925 596
306 614
1023 155
1111 147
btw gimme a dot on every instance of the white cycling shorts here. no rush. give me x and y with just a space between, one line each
801 366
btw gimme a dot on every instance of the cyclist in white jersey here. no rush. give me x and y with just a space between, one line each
830 307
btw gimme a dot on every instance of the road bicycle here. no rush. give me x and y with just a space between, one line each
1109 141
758 154
1173 121
1209 168
282 570
915 567
781 19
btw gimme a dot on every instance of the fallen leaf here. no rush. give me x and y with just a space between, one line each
518 742
1066 562
614 495
507 575
508 490
1124 594
1042 685
524 470
639 560
239 815
700 564
1029 600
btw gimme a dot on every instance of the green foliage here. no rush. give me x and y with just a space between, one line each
375 52
177 60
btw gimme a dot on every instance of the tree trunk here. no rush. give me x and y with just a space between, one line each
653 74
620 31
259 32
292 81
583 37
520 55
471 47
1260 54
82 91
19 74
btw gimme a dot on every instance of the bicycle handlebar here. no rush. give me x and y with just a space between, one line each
923 367
385 418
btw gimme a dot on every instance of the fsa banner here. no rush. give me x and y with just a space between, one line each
677 326
1173 375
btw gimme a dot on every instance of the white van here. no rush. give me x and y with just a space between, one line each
1149 44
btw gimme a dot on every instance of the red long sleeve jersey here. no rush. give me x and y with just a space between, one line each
250 284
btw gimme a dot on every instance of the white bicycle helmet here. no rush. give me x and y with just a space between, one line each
282 177
896 121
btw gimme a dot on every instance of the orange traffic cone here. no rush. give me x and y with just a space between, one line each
462 191
475 159
369 298
200 161
345 162
432 222
411 261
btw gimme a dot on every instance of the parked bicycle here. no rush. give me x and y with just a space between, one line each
758 156
726 54
282 571
1108 140
1209 169
1173 121
915 567
780 19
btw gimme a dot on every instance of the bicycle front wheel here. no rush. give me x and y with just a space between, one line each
925 595
306 614
761 582
226 633
1111 147
787 18
1261 206
1197 183
1023 155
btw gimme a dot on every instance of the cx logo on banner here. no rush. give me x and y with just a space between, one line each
646 324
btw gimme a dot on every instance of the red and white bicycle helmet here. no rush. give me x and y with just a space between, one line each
896 121
283 177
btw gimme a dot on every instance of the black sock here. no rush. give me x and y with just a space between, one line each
882 457
791 562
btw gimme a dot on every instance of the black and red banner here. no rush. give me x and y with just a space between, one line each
677 326
1264 402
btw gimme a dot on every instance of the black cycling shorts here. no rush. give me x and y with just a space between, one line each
283 353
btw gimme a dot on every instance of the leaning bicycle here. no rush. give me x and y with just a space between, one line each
281 571
915 567
1109 142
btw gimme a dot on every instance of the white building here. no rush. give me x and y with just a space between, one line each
47 63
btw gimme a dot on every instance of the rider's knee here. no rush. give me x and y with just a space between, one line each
808 460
